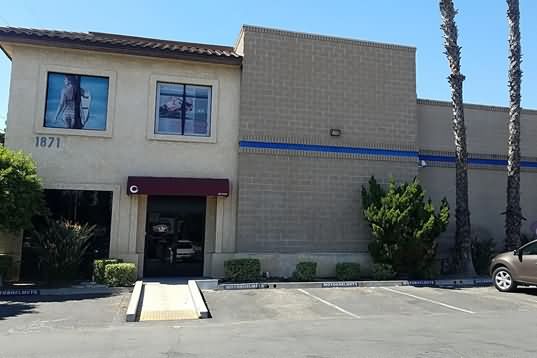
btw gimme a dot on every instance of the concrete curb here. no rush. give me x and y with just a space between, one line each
444 283
66 291
197 299
207 284
134 302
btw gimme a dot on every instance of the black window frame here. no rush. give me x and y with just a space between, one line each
183 110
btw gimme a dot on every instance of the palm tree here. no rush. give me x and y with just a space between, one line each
513 212
463 242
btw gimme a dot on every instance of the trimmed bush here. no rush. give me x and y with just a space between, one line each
305 271
383 272
238 270
99 266
347 271
121 274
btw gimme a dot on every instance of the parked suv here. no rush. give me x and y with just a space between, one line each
519 267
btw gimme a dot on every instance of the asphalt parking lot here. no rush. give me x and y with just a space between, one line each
331 322
380 322
37 313
366 303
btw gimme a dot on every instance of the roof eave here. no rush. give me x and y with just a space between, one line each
4 50
78 45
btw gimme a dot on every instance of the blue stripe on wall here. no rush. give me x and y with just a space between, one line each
328 149
374 151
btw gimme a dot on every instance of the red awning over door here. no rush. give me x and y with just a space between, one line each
177 186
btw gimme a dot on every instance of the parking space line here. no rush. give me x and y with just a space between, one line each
504 298
429 300
328 303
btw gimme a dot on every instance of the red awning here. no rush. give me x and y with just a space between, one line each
177 186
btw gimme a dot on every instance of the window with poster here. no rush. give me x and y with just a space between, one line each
76 102
183 109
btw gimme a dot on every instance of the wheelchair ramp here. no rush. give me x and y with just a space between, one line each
166 302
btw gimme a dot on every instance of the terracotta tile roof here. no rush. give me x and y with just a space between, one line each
141 46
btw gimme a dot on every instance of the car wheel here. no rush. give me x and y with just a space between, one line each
503 280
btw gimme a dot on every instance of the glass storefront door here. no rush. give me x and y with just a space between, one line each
175 233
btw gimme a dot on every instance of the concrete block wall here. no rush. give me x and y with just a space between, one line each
291 204
487 139
295 87
299 85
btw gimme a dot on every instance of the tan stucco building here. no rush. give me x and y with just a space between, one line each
254 150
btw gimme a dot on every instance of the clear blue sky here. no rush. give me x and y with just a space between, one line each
482 32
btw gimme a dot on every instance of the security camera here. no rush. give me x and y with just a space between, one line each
133 189
422 163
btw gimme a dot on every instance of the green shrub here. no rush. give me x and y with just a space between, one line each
483 250
404 226
347 271
99 266
21 193
305 271
238 270
383 272
121 274
62 246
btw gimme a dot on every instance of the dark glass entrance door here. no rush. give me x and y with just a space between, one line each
175 233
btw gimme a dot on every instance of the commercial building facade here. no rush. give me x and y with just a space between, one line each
257 150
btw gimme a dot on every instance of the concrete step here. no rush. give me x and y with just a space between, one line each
166 302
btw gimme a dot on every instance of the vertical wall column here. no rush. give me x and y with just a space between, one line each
141 232
219 240
210 236
11 244
133 224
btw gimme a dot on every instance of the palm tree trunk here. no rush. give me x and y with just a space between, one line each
463 251
513 217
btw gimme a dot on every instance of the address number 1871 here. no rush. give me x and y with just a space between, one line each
47 142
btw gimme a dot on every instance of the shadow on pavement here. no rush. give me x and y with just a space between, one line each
530 291
53 298
15 309
11 306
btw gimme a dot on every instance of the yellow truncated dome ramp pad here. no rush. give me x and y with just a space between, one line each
161 301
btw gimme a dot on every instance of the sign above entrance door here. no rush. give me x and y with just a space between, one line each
177 186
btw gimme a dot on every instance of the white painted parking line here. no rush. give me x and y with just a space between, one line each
328 303
428 300
500 296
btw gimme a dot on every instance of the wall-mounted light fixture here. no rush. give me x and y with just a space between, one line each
335 132
422 163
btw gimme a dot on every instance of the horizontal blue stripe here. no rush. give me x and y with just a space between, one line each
374 151
328 149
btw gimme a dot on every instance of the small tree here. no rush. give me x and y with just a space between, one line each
404 226
20 190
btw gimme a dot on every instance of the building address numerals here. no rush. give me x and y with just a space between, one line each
47 142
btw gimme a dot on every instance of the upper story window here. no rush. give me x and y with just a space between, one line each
78 102
183 109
